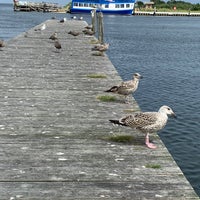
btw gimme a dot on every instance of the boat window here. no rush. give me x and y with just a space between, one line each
75 4
81 4
121 5
116 5
85 5
106 6
92 5
127 5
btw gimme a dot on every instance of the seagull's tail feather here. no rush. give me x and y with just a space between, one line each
114 121
112 89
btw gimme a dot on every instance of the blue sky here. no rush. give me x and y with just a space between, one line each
64 2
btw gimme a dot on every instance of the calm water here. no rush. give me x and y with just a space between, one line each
165 50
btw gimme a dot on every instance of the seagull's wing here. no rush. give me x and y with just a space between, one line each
140 120
127 84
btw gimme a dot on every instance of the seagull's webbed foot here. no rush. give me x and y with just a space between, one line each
126 102
149 144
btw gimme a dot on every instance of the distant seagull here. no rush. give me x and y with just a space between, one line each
128 87
88 32
26 34
147 122
57 45
41 28
74 33
63 20
54 36
74 17
81 18
2 44
88 27
101 47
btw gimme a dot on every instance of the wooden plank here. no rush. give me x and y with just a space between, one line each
54 131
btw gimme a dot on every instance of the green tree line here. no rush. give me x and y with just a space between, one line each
180 5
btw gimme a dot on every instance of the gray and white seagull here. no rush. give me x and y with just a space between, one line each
54 36
41 28
147 122
127 87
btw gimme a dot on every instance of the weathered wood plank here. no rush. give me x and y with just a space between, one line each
54 131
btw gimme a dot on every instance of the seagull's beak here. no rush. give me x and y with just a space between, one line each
141 77
173 115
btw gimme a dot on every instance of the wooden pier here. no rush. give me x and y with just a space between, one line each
31 6
55 136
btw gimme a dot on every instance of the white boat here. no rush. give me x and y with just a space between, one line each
122 7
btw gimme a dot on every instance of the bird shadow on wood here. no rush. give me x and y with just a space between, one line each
109 98
125 139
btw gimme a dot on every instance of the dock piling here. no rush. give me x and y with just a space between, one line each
100 28
93 18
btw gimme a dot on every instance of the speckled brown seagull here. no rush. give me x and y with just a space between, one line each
74 33
128 87
101 47
147 122
57 45
88 32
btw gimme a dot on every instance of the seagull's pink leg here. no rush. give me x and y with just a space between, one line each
126 100
148 144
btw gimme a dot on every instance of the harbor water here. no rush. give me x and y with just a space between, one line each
165 50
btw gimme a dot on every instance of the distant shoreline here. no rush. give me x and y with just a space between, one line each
153 13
